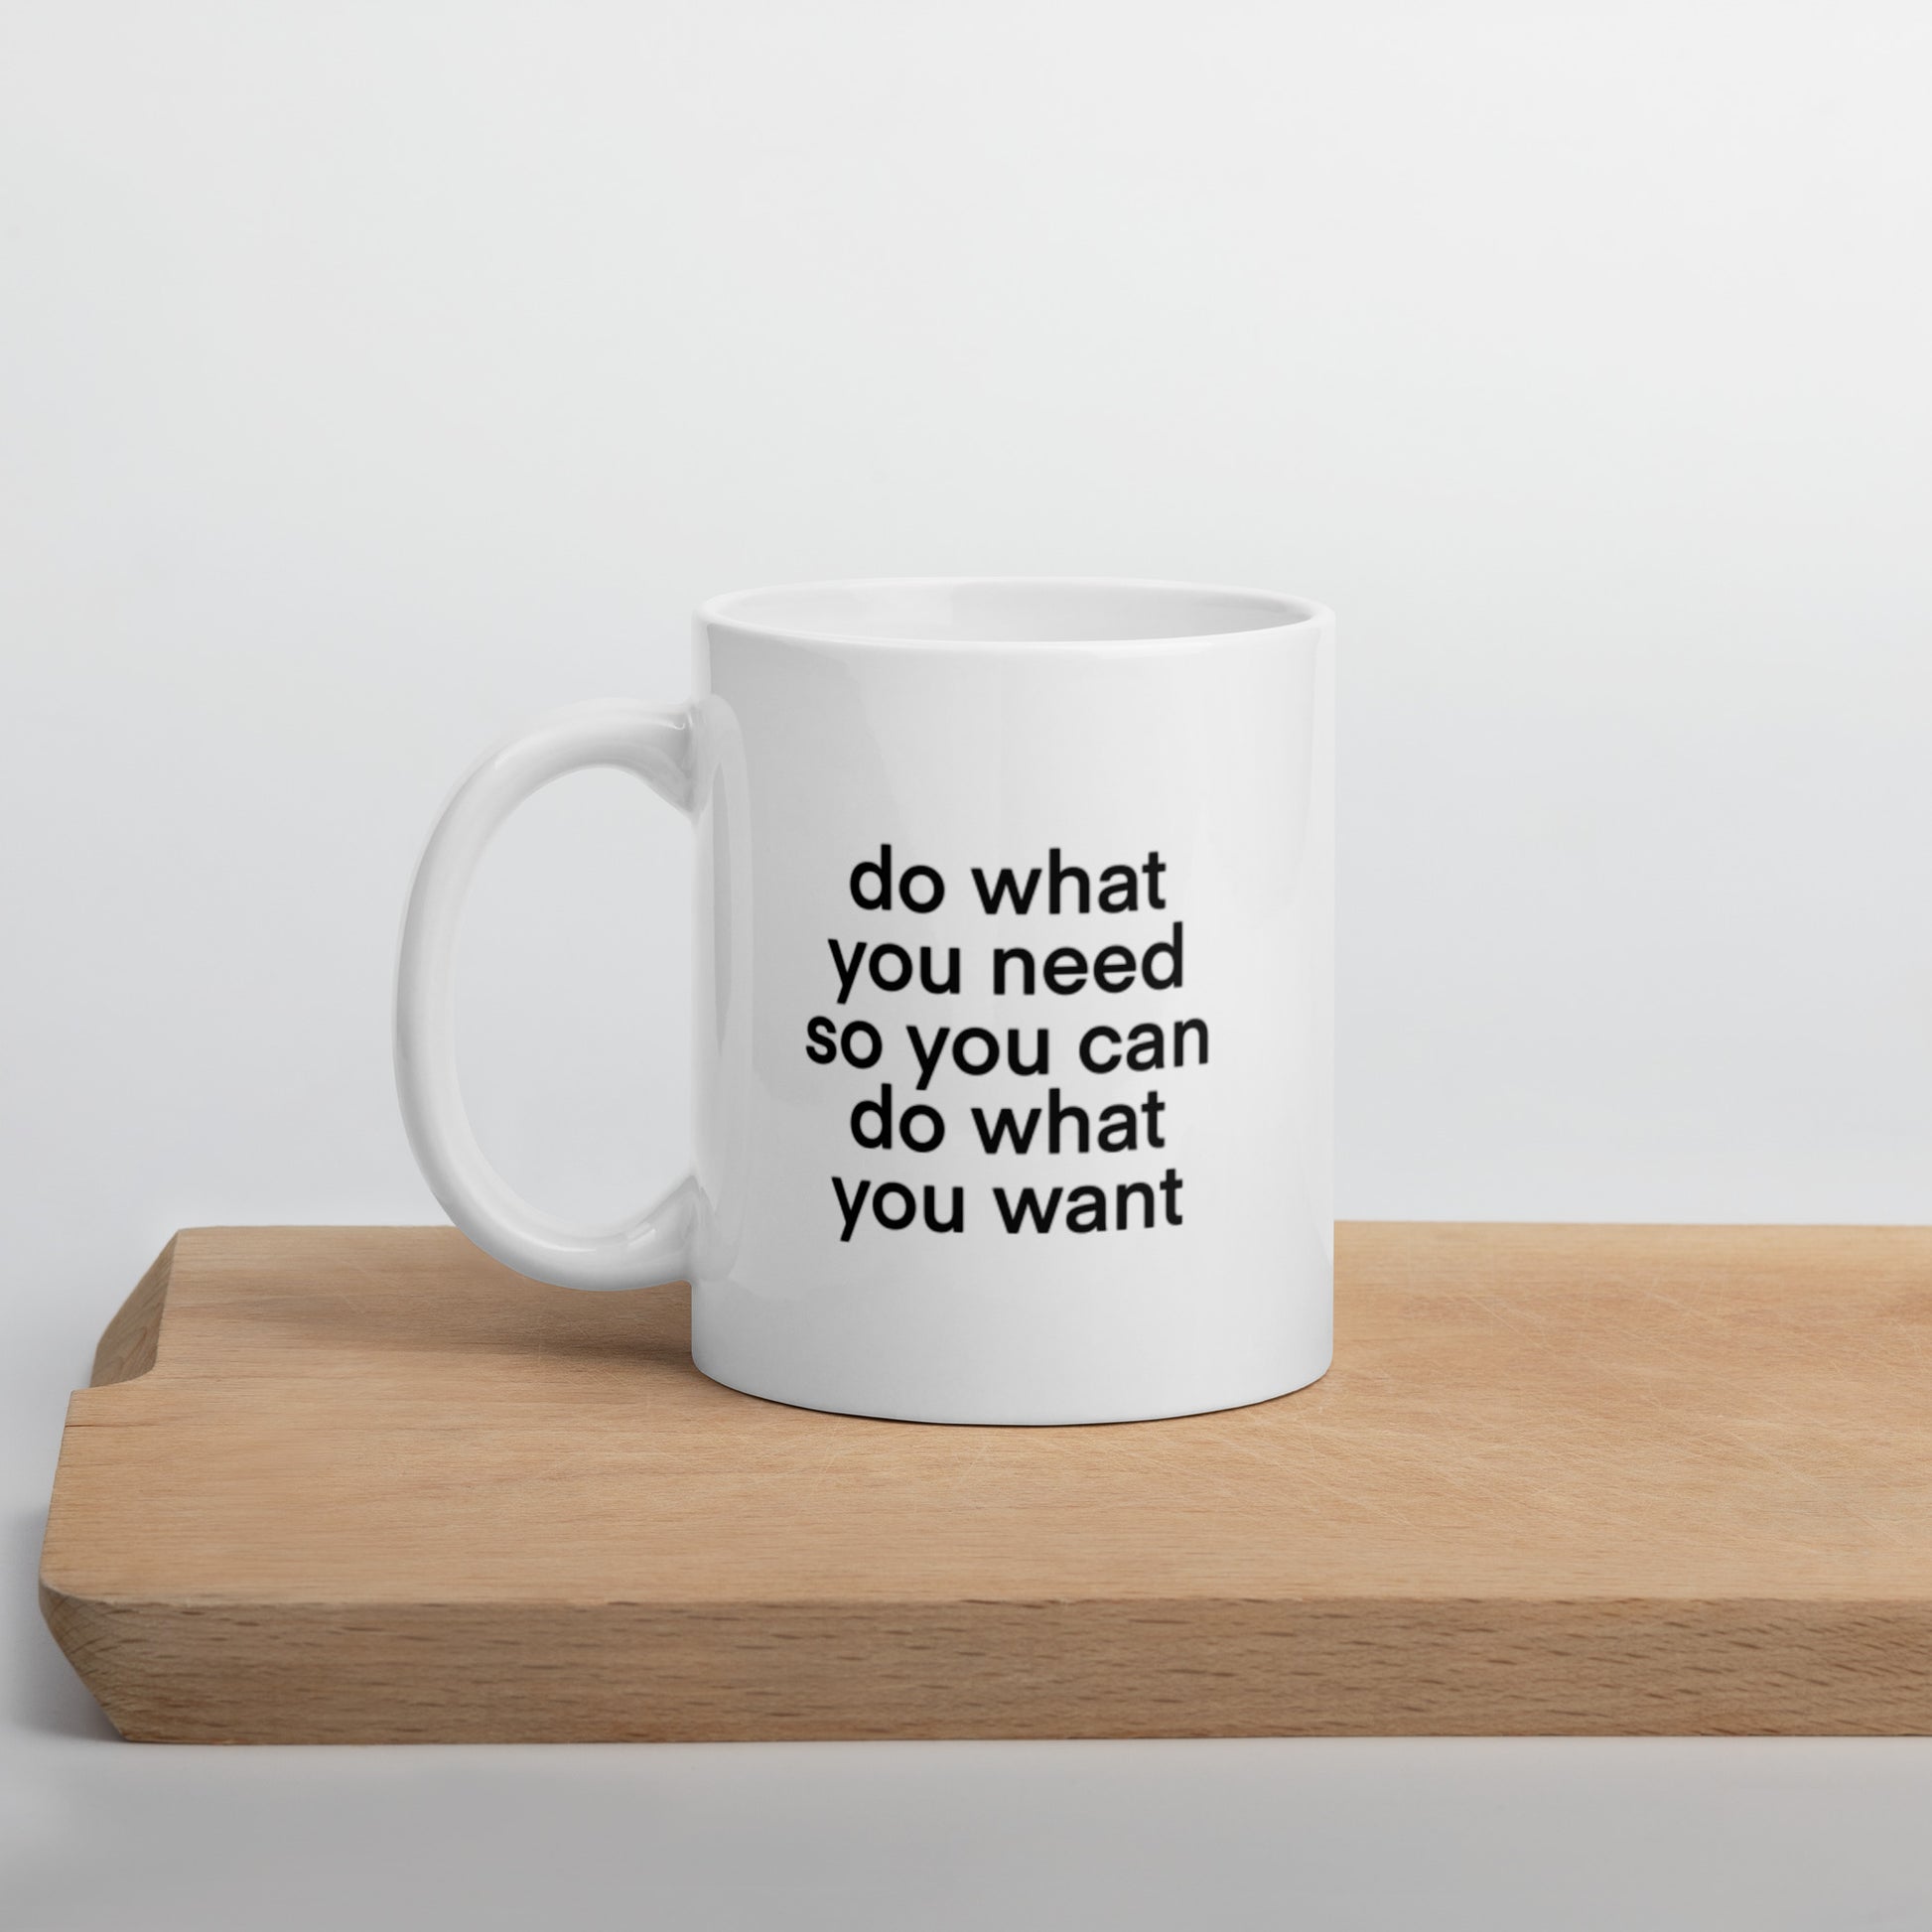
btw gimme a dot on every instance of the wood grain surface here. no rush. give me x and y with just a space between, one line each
365 1485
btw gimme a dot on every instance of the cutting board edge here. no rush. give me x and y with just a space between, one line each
510 1672
130 1345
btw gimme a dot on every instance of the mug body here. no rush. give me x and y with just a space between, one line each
1013 998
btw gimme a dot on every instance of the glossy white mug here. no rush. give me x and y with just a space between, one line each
1012 1003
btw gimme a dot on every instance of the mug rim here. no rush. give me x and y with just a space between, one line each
1257 613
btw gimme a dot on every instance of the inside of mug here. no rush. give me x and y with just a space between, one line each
1006 610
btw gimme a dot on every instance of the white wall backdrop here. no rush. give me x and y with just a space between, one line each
372 377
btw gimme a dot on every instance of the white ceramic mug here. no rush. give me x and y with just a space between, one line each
1012 1003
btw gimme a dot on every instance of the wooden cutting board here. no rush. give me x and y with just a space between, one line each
363 1484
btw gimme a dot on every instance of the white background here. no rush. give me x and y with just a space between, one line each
372 377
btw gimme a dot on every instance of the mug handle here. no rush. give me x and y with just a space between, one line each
662 747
